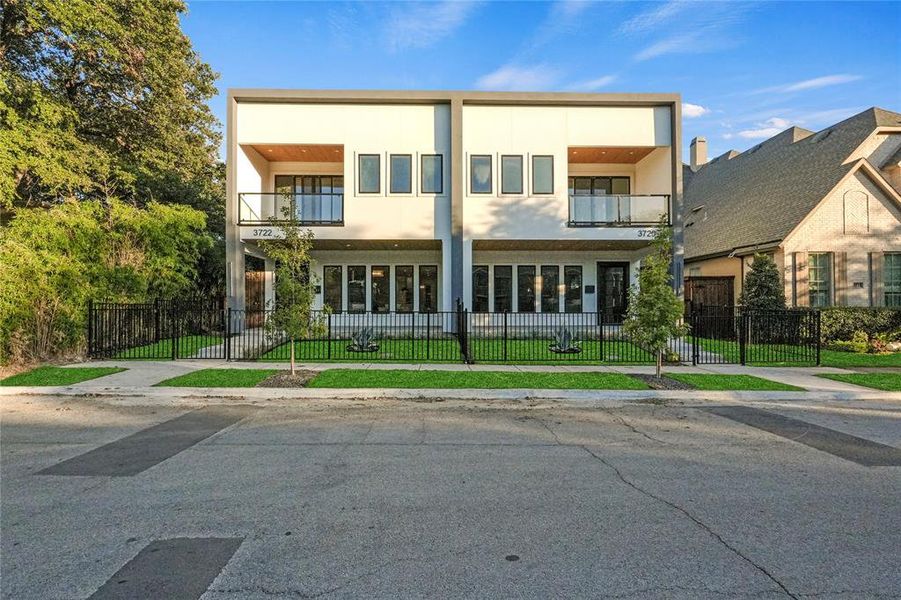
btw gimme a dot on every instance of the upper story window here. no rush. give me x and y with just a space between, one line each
432 174
401 181
819 278
370 174
480 174
892 273
543 174
511 174
598 186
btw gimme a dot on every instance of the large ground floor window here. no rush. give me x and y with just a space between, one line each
391 288
819 278
547 288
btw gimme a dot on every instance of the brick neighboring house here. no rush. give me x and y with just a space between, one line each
824 205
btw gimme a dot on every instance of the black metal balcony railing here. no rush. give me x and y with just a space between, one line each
617 210
262 208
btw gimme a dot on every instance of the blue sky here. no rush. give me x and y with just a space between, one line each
745 70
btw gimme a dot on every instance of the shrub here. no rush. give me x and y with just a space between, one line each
841 323
763 288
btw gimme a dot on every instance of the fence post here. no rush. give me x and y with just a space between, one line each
228 334
156 320
742 337
819 339
505 337
412 335
90 328
603 354
695 352
328 340
466 355
428 334
173 317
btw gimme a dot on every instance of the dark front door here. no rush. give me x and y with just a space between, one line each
612 290
254 297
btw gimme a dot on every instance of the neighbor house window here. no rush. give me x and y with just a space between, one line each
503 288
511 174
572 280
432 173
331 287
401 174
480 288
403 288
525 288
370 174
356 289
892 273
381 291
480 174
542 174
550 291
428 288
819 278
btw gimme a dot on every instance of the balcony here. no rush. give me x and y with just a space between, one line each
617 210
322 209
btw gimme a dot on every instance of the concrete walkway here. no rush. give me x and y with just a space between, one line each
141 376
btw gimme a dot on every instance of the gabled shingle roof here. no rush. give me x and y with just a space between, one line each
760 195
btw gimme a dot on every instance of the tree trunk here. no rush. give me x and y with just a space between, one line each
659 363
292 356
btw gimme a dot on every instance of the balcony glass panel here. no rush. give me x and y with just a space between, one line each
616 209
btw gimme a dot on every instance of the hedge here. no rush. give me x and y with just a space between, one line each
840 323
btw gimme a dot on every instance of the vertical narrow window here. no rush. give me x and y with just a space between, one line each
480 288
525 288
550 288
428 288
370 174
432 173
283 203
403 289
819 278
480 174
543 174
356 289
331 287
511 174
572 280
892 273
381 290
503 288
401 174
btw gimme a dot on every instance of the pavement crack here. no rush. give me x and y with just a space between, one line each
693 518
551 431
622 421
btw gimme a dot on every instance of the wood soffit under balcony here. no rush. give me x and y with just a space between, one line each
301 152
608 154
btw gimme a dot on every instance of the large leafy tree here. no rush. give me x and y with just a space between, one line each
105 99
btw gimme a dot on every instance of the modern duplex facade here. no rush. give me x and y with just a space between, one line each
508 202
825 205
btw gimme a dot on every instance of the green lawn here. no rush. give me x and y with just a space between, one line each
704 381
188 346
219 378
795 356
890 382
534 351
58 375
396 378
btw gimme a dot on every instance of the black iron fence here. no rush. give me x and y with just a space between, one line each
205 329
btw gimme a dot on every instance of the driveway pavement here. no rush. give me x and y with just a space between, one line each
508 499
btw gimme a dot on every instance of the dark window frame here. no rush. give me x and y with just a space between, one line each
340 268
421 289
519 296
391 174
490 174
567 289
422 158
362 287
372 278
487 289
397 288
537 193
509 290
360 158
521 175
556 295
592 191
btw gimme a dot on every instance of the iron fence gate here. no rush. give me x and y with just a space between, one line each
199 329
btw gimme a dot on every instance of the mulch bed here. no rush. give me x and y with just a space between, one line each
663 383
283 379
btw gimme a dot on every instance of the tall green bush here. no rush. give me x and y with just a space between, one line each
763 287
52 261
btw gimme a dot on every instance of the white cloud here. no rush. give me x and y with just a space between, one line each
592 84
693 111
651 19
703 27
421 25
516 78
811 84
679 44
767 129
568 9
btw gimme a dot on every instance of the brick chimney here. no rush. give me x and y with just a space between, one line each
698 153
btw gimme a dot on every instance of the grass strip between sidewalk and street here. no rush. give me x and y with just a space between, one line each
725 382
495 380
889 382
49 376
219 378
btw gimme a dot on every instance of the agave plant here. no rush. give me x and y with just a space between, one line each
362 341
564 343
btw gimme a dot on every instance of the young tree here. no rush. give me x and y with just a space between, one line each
295 288
763 288
654 309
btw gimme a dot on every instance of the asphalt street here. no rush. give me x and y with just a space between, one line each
453 499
